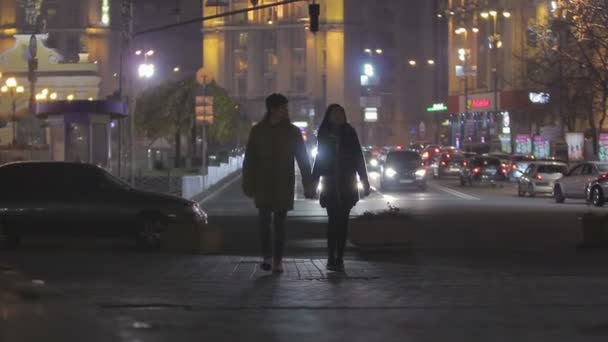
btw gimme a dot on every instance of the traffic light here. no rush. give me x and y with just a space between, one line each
313 11
254 2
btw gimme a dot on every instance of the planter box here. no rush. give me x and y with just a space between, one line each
380 231
594 230
205 239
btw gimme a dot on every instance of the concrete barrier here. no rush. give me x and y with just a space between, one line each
194 185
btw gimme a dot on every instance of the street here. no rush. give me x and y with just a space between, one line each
483 265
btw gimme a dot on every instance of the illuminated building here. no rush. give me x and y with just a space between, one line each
271 50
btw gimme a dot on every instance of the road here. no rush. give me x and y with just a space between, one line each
483 265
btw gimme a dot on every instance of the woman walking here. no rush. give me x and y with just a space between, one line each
339 160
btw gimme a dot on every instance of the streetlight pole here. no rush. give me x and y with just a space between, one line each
13 90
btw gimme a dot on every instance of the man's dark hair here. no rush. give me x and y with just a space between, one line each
274 101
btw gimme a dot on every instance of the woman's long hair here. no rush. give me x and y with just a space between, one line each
325 127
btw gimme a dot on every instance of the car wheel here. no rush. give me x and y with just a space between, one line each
531 191
148 235
558 195
520 192
597 197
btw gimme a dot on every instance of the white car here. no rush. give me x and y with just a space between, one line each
540 178
574 184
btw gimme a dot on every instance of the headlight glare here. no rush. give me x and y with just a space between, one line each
390 172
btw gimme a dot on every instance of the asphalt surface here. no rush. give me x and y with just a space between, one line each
482 265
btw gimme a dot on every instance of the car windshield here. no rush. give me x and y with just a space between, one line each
403 157
552 169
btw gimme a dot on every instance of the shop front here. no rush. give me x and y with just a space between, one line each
482 126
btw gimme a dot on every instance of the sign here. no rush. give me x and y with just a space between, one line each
523 144
480 103
203 109
541 147
370 114
540 98
603 148
437 107
575 142
33 47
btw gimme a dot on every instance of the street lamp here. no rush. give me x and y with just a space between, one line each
14 90
412 63
431 62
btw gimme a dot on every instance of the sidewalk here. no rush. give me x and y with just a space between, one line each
29 311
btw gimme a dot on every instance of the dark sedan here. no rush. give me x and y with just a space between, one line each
72 199
403 169
482 170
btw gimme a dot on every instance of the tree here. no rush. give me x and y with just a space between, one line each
167 110
585 22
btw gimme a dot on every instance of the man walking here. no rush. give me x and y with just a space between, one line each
269 175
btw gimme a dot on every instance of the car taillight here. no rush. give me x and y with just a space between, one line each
436 150
603 177
504 171
539 177
448 156
399 147
465 164
476 170
514 166
443 163
425 155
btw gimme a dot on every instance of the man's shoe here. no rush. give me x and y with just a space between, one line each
277 267
331 264
265 265
339 265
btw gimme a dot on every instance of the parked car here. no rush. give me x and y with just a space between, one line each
597 191
540 177
575 183
518 164
480 170
403 169
64 198
448 164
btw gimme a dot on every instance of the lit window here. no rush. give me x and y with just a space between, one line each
105 12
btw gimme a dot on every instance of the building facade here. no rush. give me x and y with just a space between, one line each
272 50
492 105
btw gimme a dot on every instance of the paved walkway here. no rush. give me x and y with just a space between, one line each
483 296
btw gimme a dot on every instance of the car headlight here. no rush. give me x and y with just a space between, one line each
373 162
390 172
314 152
359 185
320 185
420 173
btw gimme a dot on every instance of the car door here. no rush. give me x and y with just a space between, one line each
569 182
580 181
526 178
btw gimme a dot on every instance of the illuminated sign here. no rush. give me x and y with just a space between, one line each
105 12
371 114
541 98
437 107
480 103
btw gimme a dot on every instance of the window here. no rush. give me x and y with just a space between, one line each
269 85
243 39
298 39
270 62
270 40
552 169
299 57
241 85
299 83
577 171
